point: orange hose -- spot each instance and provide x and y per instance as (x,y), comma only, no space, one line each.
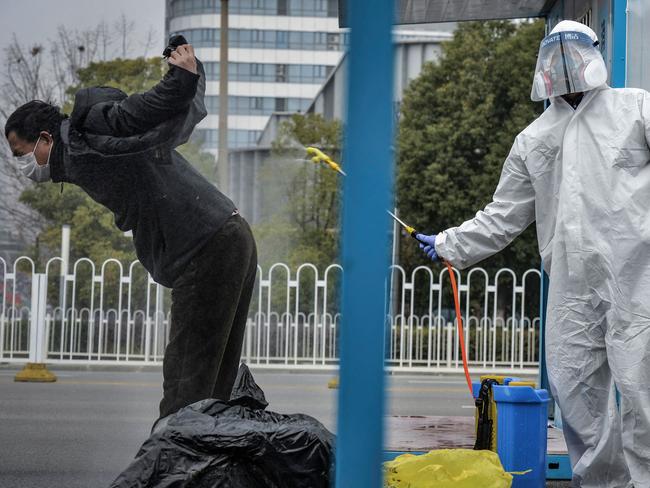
(459,319)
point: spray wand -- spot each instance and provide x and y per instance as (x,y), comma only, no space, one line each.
(318,156)
(452,276)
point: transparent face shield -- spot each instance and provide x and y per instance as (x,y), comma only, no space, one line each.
(568,62)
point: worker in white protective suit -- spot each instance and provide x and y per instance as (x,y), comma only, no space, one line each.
(580,170)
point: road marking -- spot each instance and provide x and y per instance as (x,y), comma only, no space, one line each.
(436,382)
(468,406)
(402,389)
(112,383)
(271,387)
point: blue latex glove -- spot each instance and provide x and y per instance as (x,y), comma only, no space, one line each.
(428,245)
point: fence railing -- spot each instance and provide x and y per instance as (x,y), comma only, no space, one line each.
(117,315)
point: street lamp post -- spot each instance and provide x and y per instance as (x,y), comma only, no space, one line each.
(222,162)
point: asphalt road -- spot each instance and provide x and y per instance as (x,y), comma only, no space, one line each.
(83,430)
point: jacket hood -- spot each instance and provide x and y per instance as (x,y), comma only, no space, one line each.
(87,97)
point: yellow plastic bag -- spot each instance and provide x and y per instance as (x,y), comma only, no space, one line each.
(447,468)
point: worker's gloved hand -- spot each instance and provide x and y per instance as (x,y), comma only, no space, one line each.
(428,245)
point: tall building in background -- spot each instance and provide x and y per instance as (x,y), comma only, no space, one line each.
(280,54)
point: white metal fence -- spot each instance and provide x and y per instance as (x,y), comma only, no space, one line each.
(117,315)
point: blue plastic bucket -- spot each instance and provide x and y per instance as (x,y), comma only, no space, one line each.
(522,432)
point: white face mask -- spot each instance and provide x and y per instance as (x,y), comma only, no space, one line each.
(30,168)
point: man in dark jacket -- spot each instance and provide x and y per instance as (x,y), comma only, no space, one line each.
(188,235)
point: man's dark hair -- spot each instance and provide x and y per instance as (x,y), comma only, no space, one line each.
(33,117)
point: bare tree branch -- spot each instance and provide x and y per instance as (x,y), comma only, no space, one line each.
(124,29)
(150,42)
(104,40)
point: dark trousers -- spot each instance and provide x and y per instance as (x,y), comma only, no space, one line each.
(208,319)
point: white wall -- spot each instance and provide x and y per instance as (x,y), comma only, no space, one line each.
(638,44)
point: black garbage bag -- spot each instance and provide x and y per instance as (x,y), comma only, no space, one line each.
(238,443)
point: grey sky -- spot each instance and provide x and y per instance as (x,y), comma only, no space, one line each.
(34,21)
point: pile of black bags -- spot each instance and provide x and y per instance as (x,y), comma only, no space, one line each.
(238,443)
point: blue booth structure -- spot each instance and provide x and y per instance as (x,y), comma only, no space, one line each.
(368,187)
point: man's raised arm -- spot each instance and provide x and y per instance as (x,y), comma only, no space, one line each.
(170,97)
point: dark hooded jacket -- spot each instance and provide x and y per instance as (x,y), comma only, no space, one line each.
(120,150)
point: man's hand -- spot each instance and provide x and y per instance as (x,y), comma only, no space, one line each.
(183,57)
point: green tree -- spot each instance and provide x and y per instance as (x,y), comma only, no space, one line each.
(129,75)
(93,232)
(459,119)
(304,225)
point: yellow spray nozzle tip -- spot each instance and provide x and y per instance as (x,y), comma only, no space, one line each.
(316,152)
(319,156)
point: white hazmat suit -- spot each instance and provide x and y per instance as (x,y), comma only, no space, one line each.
(582,174)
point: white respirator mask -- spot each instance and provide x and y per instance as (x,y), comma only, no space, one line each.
(29,166)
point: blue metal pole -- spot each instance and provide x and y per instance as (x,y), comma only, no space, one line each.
(619,43)
(365,245)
